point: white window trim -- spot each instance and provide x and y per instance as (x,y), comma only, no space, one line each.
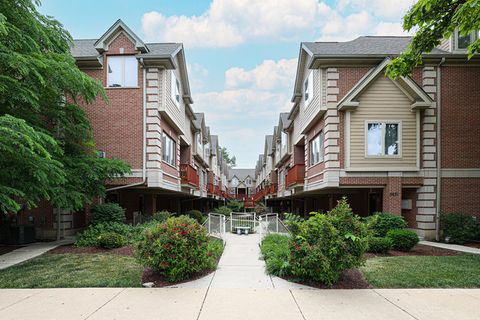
(456,33)
(173,155)
(174,87)
(321,150)
(309,81)
(122,57)
(400,139)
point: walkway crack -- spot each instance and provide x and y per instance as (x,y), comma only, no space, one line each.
(298,306)
(205,296)
(396,305)
(23,299)
(103,305)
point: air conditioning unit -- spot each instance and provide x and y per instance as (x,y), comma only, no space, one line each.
(102,154)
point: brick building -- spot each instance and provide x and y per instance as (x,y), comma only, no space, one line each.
(409,147)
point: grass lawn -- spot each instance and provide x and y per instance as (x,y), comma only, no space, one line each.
(423,272)
(73,271)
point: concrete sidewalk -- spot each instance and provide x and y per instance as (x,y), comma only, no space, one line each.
(30,251)
(230,303)
(449,246)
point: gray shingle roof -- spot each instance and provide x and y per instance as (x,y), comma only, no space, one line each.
(214,141)
(241,174)
(85,48)
(284,117)
(367,45)
(198,121)
(269,142)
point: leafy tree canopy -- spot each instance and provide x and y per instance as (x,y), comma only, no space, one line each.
(46,144)
(231,160)
(434,20)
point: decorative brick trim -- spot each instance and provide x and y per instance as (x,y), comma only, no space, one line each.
(154,130)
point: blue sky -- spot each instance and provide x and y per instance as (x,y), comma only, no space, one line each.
(241,54)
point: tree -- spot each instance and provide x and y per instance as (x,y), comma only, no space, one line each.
(231,161)
(42,96)
(435,20)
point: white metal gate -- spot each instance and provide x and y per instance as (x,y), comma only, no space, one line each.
(215,225)
(271,223)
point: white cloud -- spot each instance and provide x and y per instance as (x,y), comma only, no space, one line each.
(380,8)
(231,22)
(345,28)
(268,75)
(390,29)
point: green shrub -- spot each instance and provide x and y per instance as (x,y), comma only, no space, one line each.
(459,228)
(223,210)
(89,237)
(107,213)
(328,244)
(379,245)
(161,216)
(260,208)
(197,215)
(235,206)
(380,223)
(110,240)
(403,239)
(275,251)
(293,222)
(176,249)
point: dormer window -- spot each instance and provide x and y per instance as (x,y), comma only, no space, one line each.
(122,71)
(308,89)
(175,89)
(463,41)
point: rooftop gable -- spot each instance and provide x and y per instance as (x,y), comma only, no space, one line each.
(102,43)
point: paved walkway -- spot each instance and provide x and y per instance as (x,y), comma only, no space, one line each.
(454,247)
(239,289)
(28,252)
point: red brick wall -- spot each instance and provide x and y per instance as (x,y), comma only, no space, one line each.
(461,195)
(348,77)
(118,124)
(121,41)
(460,108)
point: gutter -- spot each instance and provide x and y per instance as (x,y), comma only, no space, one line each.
(439,152)
(144,153)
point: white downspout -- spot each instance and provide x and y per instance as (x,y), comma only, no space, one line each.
(144,155)
(439,154)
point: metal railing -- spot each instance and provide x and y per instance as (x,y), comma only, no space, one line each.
(271,223)
(215,225)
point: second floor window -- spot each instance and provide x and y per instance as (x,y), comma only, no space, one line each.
(308,89)
(284,140)
(175,90)
(383,139)
(463,41)
(168,152)
(122,71)
(316,149)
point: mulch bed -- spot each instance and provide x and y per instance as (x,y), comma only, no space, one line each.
(349,279)
(473,245)
(8,248)
(123,251)
(159,281)
(418,250)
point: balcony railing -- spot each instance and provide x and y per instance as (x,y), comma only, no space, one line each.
(189,175)
(295,176)
(210,188)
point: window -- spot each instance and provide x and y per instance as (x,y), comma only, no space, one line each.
(122,71)
(168,152)
(249,181)
(316,149)
(282,178)
(175,89)
(383,139)
(199,143)
(463,41)
(284,140)
(234,182)
(308,89)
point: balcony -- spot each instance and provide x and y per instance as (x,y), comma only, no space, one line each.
(295,176)
(210,188)
(189,175)
(273,188)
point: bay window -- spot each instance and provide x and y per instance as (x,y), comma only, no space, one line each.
(383,138)
(122,71)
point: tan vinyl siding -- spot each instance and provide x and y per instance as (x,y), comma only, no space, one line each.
(308,113)
(383,100)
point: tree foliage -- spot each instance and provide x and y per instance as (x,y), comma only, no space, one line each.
(42,95)
(231,160)
(434,20)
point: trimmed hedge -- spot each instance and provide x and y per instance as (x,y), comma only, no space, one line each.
(379,245)
(403,239)
(459,228)
(107,213)
(110,240)
(381,222)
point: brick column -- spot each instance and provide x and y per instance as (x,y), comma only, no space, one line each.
(426,195)
(392,196)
